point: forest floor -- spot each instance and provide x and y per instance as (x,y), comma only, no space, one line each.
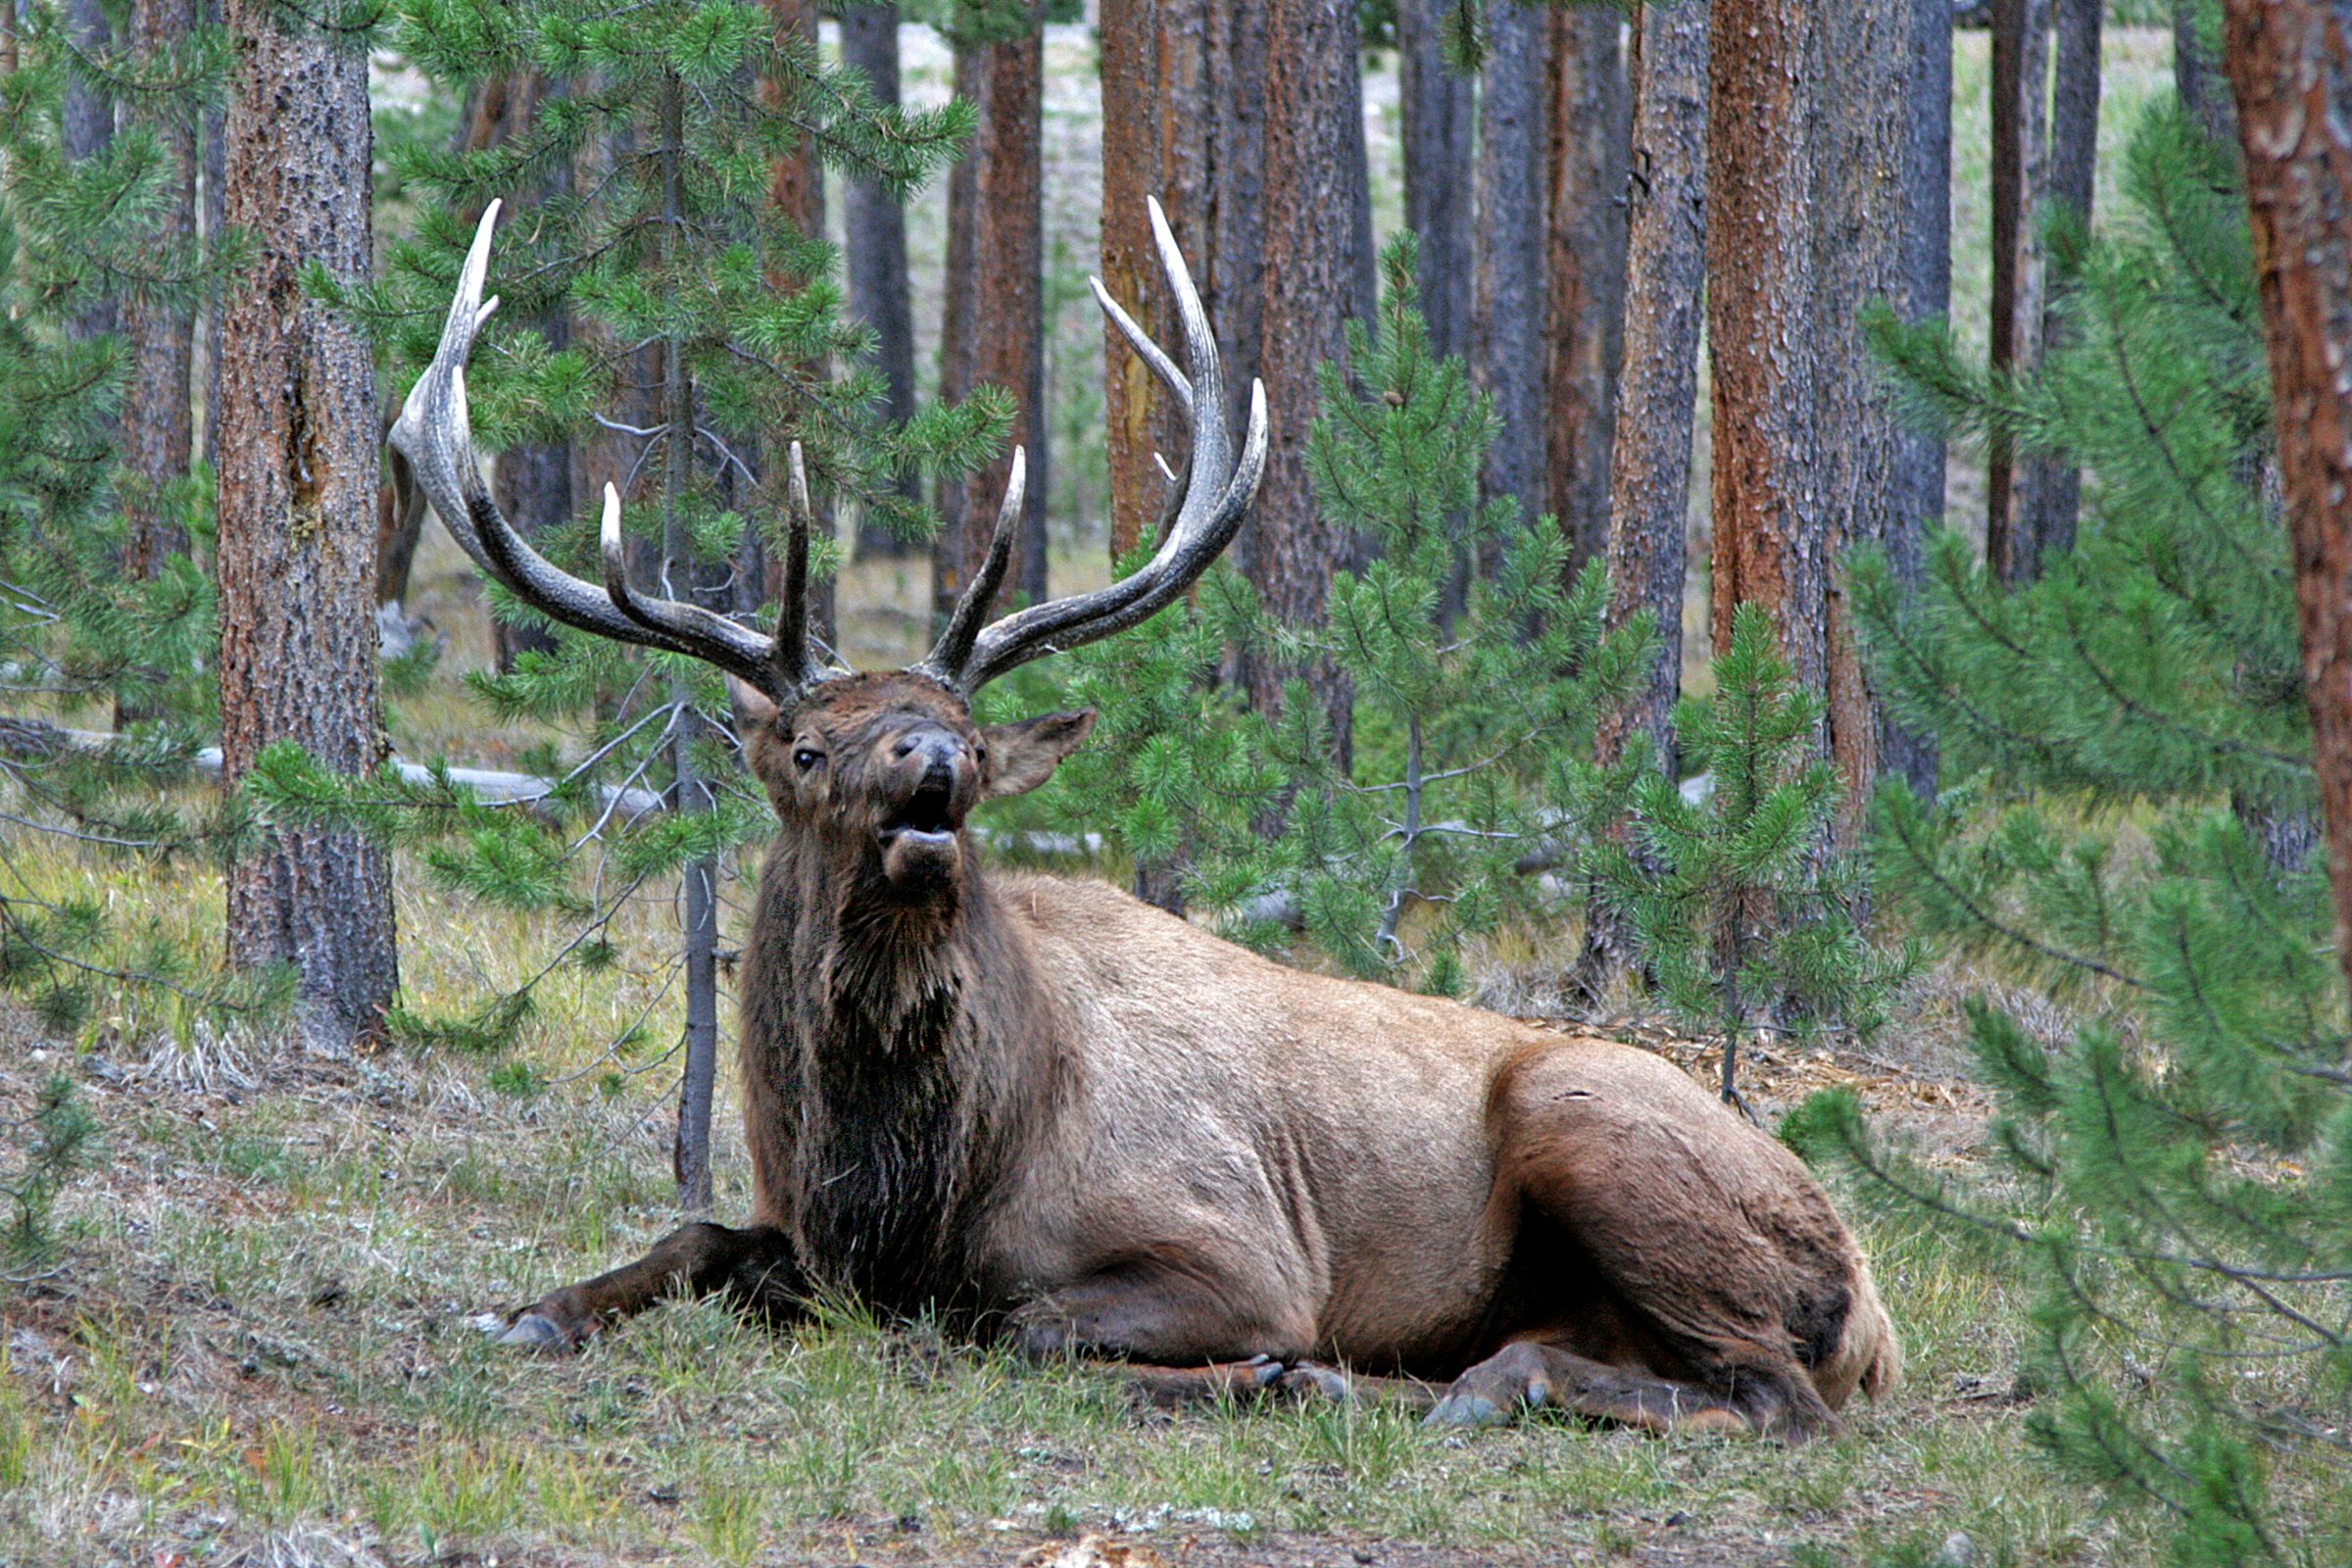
(260,1346)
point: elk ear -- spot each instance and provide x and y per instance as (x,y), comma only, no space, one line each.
(752,709)
(1023,755)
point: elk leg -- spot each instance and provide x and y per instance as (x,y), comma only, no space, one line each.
(1533,1377)
(1265,1377)
(754,1266)
(1189,1332)
(1683,1250)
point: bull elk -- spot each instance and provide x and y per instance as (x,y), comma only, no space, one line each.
(1062,1116)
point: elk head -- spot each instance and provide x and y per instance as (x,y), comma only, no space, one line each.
(884,766)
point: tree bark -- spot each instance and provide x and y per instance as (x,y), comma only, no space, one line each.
(1591,128)
(1657,397)
(994,332)
(1508,358)
(875,223)
(1157,114)
(2020,176)
(2053,494)
(2198,72)
(2290,65)
(86,124)
(212,208)
(1868,125)
(1317,276)
(1922,289)
(796,188)
(1767,508)
(1807,218)
(1440,109)
(158,410)
(296,554)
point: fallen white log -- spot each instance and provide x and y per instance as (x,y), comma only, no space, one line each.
(20,737)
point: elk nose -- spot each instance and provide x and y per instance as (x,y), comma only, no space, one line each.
(937,749)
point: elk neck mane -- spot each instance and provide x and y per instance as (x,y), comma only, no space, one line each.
(924,1053)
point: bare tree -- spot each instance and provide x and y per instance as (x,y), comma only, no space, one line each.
(875,256)
(1589,124)
(1507,342)
(1317,276)
(994,251)
(1657,393)
(2021,30)
(2290,65)
(296,557)
(1440,109)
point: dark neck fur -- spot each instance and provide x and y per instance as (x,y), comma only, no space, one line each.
(905,1101)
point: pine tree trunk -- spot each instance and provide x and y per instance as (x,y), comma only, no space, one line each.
(296,553)
(1862,252)
(2020,178)
(1317,277)
(690,1153)
(2291,63)
(1591,130)
(1159,138)
(2198,75)
(993,333)
(796,187)
(2056,491)
(875,224)
(1657,394)
(1440,110)
(1507,357)
(86,127)
(1923,289)
(158,410)
(212,208)
(1804,229)
(1767,507)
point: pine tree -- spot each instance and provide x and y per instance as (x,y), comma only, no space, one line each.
(2178,1173)
(1472,735)
(1736,910)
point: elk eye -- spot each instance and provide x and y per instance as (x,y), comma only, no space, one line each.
(805,759)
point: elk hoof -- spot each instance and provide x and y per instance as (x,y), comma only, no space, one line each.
(1307,1380)
(1466,1410)
(537,1332)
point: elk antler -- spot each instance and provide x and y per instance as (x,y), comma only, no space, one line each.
(1214,500)
(435,438)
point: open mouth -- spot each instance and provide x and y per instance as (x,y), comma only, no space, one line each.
(929,812)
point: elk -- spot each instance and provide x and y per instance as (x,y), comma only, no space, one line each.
(1060,1115)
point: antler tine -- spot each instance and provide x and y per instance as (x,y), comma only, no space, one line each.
(1217,497)
(794,658)
(435,436)
(955,648)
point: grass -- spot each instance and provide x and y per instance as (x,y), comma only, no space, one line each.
(260,1350)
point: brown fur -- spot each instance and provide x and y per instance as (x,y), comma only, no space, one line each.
(1074,1120)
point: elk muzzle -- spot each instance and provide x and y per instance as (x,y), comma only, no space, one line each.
(931,780)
